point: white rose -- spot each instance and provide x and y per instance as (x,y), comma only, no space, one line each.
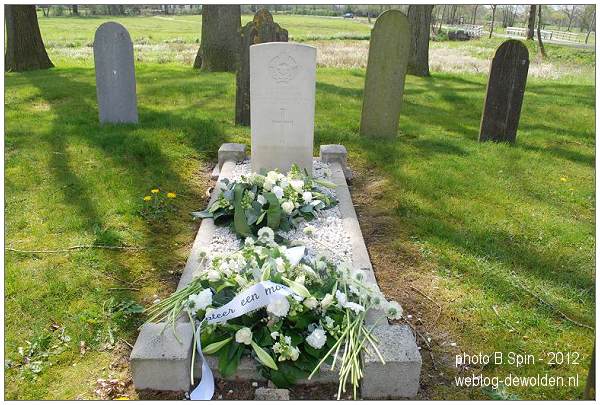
(311,302)
(280,263)
(278,191)
(307,196)
(273,176)
(279,306)
(261,199)
(294,353)
(266,234)
(287,207)
(201,300)
(326,301)
(268,185)
(213,276)
(244,336)
(317,338)
(298,185)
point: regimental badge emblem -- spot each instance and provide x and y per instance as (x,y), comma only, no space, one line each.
(283,68)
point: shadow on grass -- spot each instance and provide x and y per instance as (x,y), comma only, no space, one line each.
(133,152)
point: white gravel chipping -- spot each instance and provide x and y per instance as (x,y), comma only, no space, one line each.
(328,238)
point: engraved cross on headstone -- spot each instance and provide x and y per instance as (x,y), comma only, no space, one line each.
(282,121)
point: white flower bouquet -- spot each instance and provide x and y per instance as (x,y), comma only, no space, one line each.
(321,320)
(274,200)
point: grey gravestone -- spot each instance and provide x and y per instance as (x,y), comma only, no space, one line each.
(389,51)
(115,74)
(261,29)
(505,91)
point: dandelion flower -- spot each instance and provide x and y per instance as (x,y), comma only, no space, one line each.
(171,195)
(154,191)
(147,198)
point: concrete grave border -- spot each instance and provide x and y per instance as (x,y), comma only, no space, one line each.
(160,362)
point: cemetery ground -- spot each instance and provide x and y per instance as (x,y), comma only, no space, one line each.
(488,247)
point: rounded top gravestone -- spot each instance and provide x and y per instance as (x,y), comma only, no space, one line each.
(282,97)
(115,74)
(389,51)
(505,92)
(261,29)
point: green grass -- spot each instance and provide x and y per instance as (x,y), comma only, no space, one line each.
(187,28)
(488,219)
(484,48)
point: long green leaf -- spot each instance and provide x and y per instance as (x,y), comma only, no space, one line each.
(263,356)
(215,347)
(297,287)
(274,211)
(239,217)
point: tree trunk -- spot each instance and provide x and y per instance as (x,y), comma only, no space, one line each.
(589,392)
(45,11)
(474,14)
(493,18)
(531,22)
(442,19)
(592,25)
(539,32)
(220,42)
(420,20)
(75,9)
(24,46)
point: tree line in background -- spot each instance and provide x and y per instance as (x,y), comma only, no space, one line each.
(25,49)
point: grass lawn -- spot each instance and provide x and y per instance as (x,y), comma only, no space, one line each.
(187,28)
(472,226)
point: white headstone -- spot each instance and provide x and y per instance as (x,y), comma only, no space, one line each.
(282,105)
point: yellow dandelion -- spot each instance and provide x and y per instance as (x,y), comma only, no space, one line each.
(563,179)
(154,190)
(171,195)
(147,198)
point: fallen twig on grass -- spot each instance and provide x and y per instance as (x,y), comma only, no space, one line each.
(552,307)
(124,288)
(126,342)
(430,299)
(76,247)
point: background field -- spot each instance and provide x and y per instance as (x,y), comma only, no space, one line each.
(500,237)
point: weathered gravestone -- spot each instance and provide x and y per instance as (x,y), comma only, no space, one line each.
(282,97)
(260,30)
(115,74)
(389,51)
(505,90)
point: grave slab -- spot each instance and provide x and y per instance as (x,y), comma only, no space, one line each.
(397,343)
